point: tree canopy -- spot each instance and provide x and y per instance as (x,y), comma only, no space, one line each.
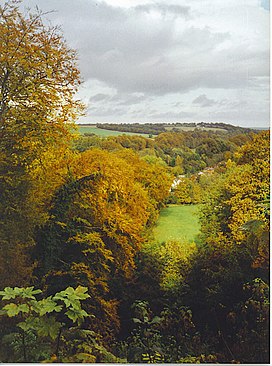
(38,80)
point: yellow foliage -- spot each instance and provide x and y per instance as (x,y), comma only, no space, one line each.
(38,80)
(240,196)
(173,255)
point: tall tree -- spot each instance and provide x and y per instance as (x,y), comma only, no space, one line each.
(38,79)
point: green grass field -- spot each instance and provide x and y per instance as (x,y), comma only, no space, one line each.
(177,222)
(105,133)
(184,128)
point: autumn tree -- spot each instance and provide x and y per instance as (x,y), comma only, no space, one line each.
(239,195)
(38,79)
(96,225)
(188,191)
(153,175)
(227,285)
(93,231)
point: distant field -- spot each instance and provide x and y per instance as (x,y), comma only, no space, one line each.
(105,133)
(184,128)
(177,222)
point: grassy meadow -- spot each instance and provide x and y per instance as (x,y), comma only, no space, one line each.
(105,133)
(178,223)
(189,128)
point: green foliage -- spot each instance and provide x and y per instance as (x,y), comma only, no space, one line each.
(90,130)
(237,196)
(249,322)
(186,151)
(13,309)
(226,319)
(33,319)
(168,337)
(156,128)
(229,305)
(19,347)
(155,358)
(82,345)
(188,191)
(173,257)
(25,293)
(145,340)
(199,359)
(71,298)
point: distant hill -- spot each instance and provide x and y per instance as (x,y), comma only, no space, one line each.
(157,128)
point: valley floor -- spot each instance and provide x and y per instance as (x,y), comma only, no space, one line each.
(178,223)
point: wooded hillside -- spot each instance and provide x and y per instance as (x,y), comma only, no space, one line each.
(81,278)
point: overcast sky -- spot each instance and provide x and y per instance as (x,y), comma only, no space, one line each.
(169,60)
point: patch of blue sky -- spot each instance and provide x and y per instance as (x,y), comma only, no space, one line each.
(265,4)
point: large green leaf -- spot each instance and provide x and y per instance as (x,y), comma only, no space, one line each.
(29,292)
(71,297)
(25,293)
(14,309)
(80,292)
(48,327)
(69,302)
(29,324)
(46,306)
(10,293)
(76,315)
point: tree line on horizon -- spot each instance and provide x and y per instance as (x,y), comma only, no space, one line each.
(157,128)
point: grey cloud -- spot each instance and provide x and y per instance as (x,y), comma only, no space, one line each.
(203,101)
(159,48)
(118,99)
(202,38)
(99,97)
(158,72)
(134,52)
(105,111)
(129,100)
(169,116)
